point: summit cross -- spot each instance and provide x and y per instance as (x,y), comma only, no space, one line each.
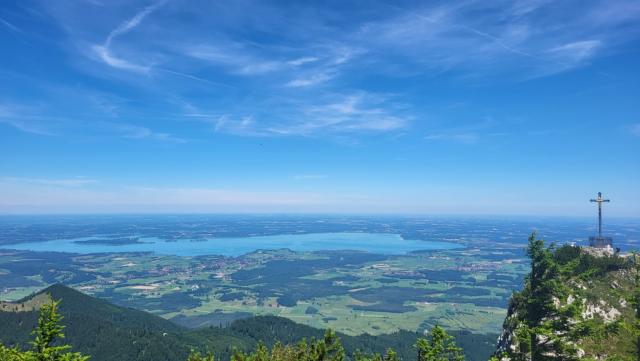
(600,200)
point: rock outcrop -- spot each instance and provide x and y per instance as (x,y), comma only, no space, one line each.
(576,304)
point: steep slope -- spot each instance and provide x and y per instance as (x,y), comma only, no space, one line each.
(108,332)
(577,303)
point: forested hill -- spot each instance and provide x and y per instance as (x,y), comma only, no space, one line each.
(577,303)
(108,332)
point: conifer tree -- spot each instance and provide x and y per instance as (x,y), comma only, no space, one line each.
(438,346)
(197,356)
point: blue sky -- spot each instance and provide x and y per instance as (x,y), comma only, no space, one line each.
(470,107)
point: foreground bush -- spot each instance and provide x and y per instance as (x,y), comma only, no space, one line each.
(437,346)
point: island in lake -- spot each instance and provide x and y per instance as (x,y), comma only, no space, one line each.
(111,241)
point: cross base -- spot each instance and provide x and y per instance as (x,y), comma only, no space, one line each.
(600,242)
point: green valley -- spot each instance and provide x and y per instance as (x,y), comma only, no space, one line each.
(350,292)
(577,303)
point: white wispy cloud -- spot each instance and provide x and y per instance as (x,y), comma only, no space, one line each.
(243,125)
(30,119)
(611,14)
(243,60)
(324,69)
(523,39)
(351,114)
(133,22)
(194,77)
(259,67)
(360,112)
(303,60)
(442,20)
(25,126)
(311,76)
(237,57)
(104,51)
(577,50)
(139,132)
(311,80)
(57,182)
(575,53)
(634,129)
(23,119)
(10,26)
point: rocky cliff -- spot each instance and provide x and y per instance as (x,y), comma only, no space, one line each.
(577,303)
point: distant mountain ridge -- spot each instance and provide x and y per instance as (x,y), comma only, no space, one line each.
(108,332)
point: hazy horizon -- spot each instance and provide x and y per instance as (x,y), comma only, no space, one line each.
(448,216)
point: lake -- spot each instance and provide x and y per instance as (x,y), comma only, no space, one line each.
(382,243)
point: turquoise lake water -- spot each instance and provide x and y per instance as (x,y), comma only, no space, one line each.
(382,243)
